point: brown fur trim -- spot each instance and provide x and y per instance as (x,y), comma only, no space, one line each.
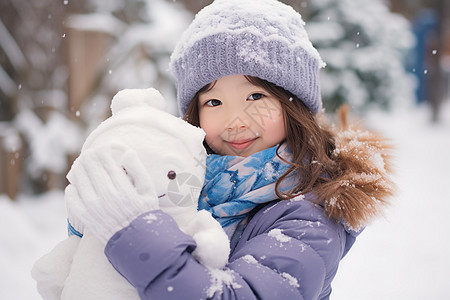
(362,186)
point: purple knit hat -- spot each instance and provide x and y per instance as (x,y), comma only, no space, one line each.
(260,38)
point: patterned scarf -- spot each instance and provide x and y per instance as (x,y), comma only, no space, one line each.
(235,185)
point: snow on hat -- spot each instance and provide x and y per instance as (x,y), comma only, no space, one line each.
(260,38)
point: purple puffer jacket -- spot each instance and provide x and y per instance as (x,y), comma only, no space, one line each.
(288,250)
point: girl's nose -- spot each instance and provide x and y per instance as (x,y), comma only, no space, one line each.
(231,127)
(238,122)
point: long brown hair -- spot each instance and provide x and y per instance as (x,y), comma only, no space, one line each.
(310,144)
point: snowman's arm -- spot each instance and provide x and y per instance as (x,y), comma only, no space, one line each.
(213,246)
(51,270)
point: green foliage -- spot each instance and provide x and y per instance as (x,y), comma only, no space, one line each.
(364,45)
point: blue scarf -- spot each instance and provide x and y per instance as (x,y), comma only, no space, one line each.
(235,185)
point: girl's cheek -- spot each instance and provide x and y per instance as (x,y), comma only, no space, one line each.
(264,112)
(211,123)
(213,144)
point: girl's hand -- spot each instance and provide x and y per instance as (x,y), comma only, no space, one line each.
(106,193)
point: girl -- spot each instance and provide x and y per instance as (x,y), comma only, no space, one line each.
(291,192)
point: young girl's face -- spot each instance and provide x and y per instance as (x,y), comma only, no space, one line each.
(240,118)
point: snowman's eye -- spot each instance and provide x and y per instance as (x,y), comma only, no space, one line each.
(171,175)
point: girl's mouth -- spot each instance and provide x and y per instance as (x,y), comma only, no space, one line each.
(242,144)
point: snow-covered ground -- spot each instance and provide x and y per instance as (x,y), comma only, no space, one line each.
(404,255)
(29,228)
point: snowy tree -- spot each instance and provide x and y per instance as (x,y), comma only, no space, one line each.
(363,45)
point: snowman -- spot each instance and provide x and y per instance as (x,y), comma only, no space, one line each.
(139,135)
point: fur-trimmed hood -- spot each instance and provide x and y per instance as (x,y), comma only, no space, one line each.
(363,186)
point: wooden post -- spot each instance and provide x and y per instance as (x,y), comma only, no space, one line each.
(86,55)
(11,154)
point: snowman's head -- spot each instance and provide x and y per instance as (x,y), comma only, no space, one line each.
(170,149)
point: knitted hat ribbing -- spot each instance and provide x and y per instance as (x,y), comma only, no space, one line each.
(260,38)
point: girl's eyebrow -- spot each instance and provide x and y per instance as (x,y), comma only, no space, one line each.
(207,95)
(246,84)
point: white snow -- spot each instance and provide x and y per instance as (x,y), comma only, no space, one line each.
(51,142)
(279,236)
(10,137)
(291,279)
(219,278)
(29,228)
(96,22)
(150,218)
(297,198)
(401,256)
(249,259)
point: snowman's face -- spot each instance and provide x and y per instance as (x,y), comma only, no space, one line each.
(177,169)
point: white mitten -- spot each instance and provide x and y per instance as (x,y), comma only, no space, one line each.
(107,193)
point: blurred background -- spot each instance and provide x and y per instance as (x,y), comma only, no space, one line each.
(62,61)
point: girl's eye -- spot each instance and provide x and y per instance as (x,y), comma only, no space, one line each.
(213,102)
(256,96)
